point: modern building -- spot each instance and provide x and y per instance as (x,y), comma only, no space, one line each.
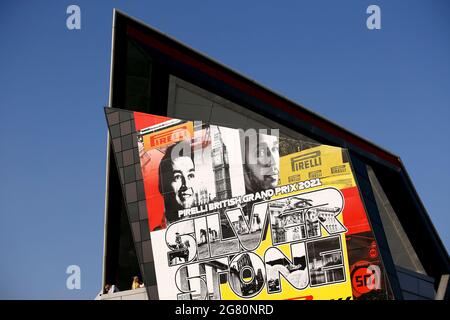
(153,73)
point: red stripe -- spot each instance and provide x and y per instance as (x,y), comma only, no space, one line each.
(355,217)
(144,120)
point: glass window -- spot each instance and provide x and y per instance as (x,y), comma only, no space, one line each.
(138,78)
(402,251)
(187,101)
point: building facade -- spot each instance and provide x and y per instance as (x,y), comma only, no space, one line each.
(153,73)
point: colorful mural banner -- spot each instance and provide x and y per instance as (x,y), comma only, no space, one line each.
(239,214)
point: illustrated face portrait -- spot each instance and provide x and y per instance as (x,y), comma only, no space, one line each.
(180,182)
(177,180)
(262,161)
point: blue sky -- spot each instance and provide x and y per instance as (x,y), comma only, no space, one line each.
(391,86)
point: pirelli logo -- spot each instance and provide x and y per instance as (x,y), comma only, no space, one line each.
(315,174)
(294,178)
(306,161)
(338,169)
(168,136)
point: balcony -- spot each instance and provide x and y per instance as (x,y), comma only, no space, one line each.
(136,294)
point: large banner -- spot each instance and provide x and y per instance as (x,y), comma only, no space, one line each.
(239,214)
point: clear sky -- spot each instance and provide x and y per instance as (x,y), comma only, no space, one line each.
(391,86)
